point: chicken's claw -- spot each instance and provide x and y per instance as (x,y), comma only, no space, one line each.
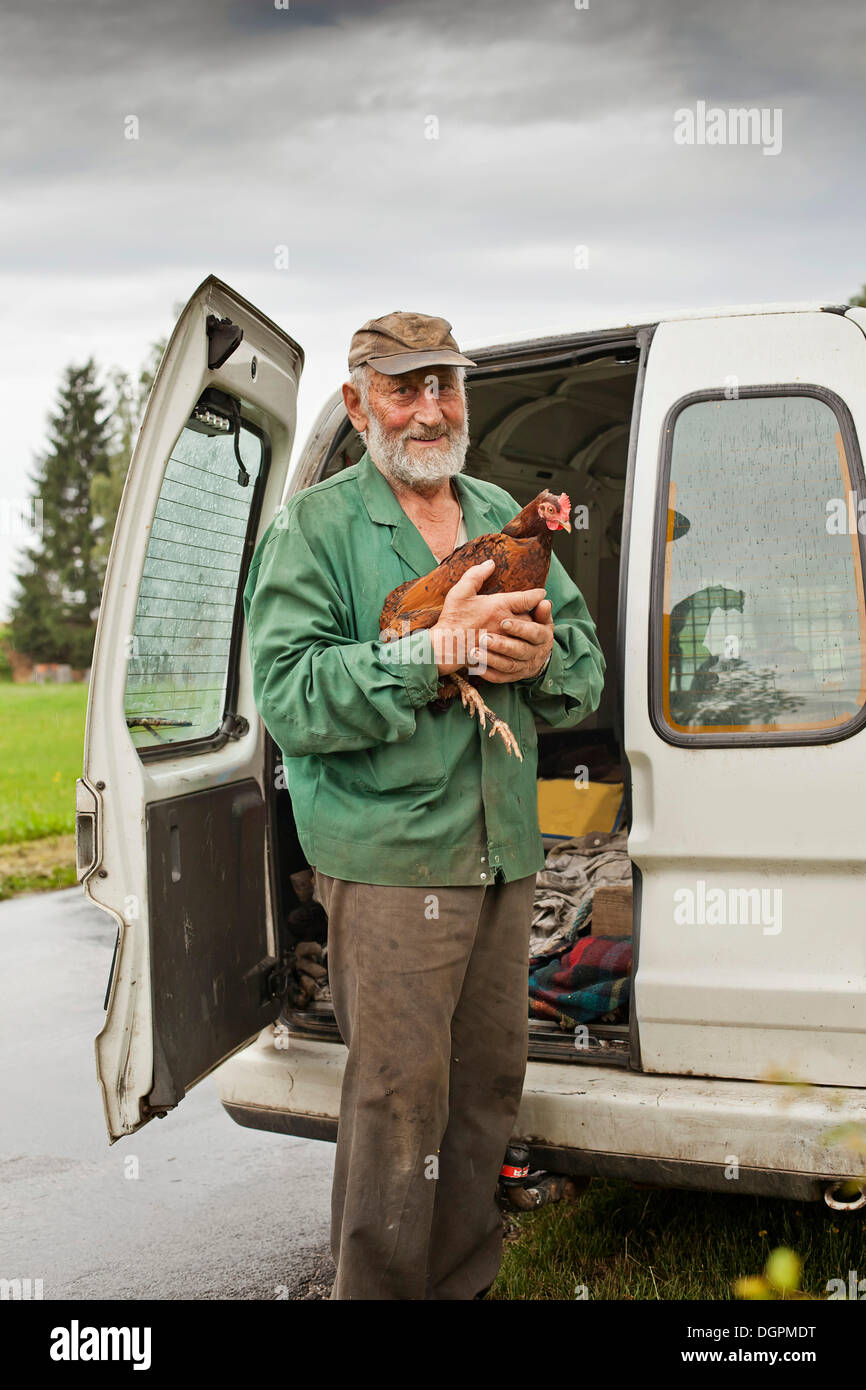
(500,727)
(472,701)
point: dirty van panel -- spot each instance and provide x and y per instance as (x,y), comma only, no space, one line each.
(211,965)
(745,699)
(177,794)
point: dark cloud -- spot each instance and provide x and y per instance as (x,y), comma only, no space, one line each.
(308,125)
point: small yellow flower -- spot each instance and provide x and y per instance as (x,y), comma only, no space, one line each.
(754,1287)
(784,1269)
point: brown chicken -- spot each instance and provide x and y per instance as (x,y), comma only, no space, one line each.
(521,551)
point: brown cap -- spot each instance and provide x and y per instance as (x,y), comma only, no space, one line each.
(400,342)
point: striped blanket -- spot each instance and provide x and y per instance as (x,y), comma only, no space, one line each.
(581,980)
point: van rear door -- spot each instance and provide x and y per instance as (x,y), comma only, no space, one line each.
(174,802)
(745,698)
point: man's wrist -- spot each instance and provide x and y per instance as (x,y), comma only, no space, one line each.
(531,680)
(541,670)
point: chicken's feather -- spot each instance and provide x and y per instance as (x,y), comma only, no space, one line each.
(521,553)
(520,564)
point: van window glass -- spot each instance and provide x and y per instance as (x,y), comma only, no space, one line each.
(763,617)
(179,648)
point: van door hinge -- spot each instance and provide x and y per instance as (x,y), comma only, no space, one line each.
(224,338)
(277,979)
(234,726)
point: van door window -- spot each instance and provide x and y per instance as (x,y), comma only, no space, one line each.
(180,646)
(760,624)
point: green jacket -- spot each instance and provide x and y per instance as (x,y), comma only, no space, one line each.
(385,789)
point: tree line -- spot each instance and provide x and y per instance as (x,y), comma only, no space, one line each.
(77,483)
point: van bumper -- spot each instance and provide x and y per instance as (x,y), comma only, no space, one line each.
(753,1137)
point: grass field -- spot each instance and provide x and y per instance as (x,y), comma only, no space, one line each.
(621,1242)
(41,742)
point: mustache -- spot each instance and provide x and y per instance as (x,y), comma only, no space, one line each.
(429,432)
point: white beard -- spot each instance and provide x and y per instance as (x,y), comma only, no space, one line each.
(391,455)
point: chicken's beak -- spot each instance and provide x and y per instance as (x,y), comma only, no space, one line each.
(565,525)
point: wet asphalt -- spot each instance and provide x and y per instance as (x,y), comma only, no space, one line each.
(215,1211)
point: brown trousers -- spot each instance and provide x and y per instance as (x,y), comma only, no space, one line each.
(429,987)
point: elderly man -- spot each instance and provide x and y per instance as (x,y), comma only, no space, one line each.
(423,832)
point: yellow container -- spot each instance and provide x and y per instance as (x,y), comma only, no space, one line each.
(569,808)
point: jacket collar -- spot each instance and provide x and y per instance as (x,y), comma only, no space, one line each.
(385,510)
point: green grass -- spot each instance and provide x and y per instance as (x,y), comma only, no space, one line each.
(624,1243)
(41,746)
(13,885)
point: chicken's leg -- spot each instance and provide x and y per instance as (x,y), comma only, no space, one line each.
(472,701)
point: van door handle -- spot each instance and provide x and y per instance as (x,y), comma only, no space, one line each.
(86,830)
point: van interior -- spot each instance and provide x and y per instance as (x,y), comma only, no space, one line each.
(560,423)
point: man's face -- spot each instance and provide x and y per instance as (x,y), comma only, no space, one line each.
(415,424)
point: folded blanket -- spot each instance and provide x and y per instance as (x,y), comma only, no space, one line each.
(573,869)
(581,981)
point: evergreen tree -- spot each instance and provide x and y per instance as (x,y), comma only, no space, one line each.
(54,612)
(106,488)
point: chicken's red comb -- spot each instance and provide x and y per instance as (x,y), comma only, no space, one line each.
(565,503)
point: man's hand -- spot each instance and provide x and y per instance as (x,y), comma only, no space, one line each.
(524,651)
(509,644)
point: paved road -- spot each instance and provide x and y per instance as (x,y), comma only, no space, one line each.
(216,1211)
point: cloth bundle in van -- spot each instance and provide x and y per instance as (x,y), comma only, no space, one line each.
(581,982)
(573,870)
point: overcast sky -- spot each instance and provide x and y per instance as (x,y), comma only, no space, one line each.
(307,127)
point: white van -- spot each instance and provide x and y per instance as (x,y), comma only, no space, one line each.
(717,455)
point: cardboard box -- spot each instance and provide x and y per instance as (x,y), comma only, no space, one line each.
(612,911)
